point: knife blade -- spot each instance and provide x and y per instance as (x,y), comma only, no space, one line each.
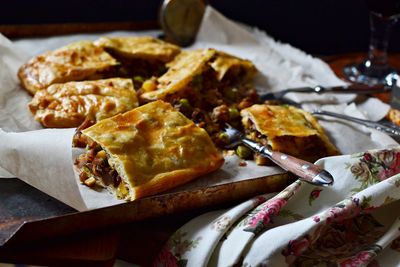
(346,89)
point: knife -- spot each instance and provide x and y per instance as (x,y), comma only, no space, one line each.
(346,89)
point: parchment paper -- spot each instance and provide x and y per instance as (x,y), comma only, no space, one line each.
(43,158)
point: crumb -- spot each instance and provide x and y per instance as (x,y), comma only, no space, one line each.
(394,116)
(242,163)
(228,153)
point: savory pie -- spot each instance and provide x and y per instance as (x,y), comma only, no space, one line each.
(141,57)
(145,151)
(208,86)
(139,47)
(287,129)
(75,62)
(186,71)
(64,105)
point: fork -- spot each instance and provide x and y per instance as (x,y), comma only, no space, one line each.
(348,89)
(305,170)
(388,128)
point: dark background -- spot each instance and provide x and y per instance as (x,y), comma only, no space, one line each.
(318,27)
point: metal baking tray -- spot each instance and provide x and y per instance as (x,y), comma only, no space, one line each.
(27,214)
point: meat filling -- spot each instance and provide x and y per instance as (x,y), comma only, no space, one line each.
(211,103)
(95,169)
(252,133)
(79,140)
(309,148)
(138,69)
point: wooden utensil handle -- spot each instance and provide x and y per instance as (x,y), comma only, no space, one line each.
(299,167)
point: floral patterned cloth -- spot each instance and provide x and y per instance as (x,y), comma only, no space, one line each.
(356,222)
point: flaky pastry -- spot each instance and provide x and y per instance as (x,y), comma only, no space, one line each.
(146,151)
(64,105)
(143,47)
(287,129)
(75,62)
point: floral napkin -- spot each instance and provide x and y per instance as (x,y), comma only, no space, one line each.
(356,222)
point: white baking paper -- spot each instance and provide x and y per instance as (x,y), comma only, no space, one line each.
(43,158)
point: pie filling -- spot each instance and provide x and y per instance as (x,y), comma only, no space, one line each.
(309,148)
(95,170)
(252,133)
(139,69)
(210,103)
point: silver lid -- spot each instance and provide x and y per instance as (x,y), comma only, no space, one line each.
(180,20)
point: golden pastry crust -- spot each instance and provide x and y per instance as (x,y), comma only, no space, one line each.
(207,86)
(67,105)
(74,62)
(191,64)
(288,129)
(139,47)
(394,116)
(154,148)
(182,69)
(230,66)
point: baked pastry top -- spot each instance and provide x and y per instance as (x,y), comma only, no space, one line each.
(77,61)
(152,148)
(287,129)
(188,66)
(208,86)
(394,116)
(231,67)
(68,104)
(143,47)
(181,72)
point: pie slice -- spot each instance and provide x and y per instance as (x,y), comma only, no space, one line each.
(232,68)
(287,129)
(208,86)
(208,69)
(139,47)
(146,151)
(75,62)
(141,57)
(65,105)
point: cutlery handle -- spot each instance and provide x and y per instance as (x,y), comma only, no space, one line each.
(303,169)
(307,171)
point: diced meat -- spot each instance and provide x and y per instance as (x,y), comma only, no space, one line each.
(220,114)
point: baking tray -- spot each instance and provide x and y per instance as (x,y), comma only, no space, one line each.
(27,214)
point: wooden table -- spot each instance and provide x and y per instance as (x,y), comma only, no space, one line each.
(138,242)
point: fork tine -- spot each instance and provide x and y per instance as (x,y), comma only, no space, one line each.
(234,135)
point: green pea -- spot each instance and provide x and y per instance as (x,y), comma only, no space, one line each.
(231,93)
(233,113)
(184,103)
(243,152)
(138,79)
(185,107)
(224,137)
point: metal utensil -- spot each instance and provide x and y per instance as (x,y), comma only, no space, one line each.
(347,89)
(305,170)
(388,127)
(180,19)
